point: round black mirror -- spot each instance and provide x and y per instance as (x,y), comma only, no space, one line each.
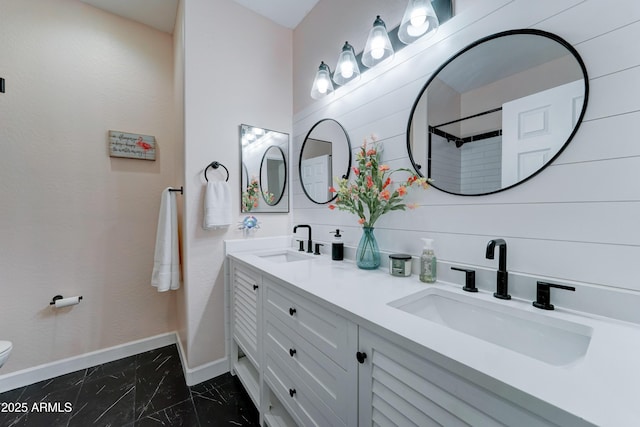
(498,112)
(273,175)
(325,154)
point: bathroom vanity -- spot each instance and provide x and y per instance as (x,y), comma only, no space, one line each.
(320,342)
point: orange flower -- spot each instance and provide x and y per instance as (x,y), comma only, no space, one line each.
(372,191)
(412,205)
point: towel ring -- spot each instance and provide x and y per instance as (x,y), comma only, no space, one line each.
(215,165)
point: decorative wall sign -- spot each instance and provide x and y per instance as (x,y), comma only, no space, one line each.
(132,146)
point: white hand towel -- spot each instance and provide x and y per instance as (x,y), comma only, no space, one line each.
(217,205)
(166,262)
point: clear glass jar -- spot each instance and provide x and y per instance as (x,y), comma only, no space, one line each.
(400,265)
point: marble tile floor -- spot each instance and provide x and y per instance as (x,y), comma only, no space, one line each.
(138,391)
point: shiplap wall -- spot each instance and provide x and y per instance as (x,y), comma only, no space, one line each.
(575,221)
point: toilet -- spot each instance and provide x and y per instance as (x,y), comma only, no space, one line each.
(5,349)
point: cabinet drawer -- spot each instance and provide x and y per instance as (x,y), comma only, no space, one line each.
(329,382)
(296,396)
(326,330)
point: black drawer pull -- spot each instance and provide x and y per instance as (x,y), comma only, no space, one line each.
(255,287)
(361,356)
(292,311)
(292,391)
(292,351)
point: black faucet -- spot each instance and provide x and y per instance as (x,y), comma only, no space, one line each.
(502,279)
(309,242)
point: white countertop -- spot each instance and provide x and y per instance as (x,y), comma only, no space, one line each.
(602,388)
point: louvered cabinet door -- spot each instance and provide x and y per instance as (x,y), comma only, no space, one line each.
(245,284)
(399,388)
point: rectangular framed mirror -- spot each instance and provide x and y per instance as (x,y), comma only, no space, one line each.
(264,156)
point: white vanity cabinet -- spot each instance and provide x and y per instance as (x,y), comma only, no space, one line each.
(306,363)
(399,388)
(246,321)
(311,362)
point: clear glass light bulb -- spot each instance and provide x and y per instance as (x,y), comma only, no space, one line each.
(418,16)
(346,69)
(416,31)
(323,85)
(377,47)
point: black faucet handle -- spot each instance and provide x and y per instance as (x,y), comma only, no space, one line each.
(317,251)
(469,279)
(543,294)
(300,245)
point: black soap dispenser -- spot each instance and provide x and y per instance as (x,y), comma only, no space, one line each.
(337,247)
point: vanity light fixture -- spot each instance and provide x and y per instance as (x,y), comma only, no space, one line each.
(378,46)
(322,85)
(347,68)
(421,18)
(418,20)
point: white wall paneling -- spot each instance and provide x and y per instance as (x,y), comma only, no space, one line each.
(577,219)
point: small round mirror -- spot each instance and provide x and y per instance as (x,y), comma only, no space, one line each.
(273,175)
(498,112)
(325,155)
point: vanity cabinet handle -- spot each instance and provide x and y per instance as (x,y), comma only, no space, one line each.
(255,287)
(292,351)
(292,311)
(361,356)
(292,391)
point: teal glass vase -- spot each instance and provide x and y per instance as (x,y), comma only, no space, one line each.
(368,254)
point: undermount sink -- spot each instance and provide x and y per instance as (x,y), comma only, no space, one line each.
(285,255)
(550,340)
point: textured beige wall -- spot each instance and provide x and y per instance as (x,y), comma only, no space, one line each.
(237,70)
(74,221)
(178,78)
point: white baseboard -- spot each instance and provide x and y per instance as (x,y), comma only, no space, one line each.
(204,372)
(65,366)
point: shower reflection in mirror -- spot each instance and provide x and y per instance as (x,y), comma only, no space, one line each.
(498,112)
(264,162)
